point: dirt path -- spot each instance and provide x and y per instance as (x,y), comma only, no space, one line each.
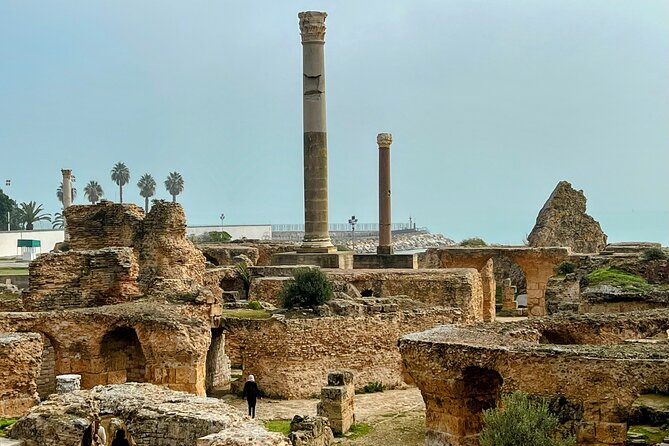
(397,417)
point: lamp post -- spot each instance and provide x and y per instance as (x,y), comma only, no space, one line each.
(352,221)
(7,184)
(222,217)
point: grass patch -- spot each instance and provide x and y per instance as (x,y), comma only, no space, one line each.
(358,430)
(651,434)
(244,313)
(618,278)
(281,426)
(5,423)
(13,271)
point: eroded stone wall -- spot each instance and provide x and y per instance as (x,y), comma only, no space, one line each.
(291,358)
(78,279)
(597,364)
(20,364)
(103,225)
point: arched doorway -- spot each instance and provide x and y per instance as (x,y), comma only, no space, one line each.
(46,383)
(218,364)
(123,356)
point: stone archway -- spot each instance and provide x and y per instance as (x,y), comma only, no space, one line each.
(46,383)
(122,356)
(217,364)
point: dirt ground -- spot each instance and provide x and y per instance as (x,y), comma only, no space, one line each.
(397,417)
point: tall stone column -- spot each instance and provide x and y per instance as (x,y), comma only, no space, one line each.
(385,219)
(316,230)
(67,196)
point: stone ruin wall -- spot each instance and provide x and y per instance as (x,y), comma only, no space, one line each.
(581,362)
(92,343)
(20,365)
(116,255)
(291,358)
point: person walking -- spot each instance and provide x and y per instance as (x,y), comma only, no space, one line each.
(120,439)
(251,393)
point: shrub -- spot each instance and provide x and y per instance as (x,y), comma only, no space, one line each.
(309,288)
(255,305)
(212,237)
(618,278)
(654,254)
(565,268)
(521,421)
(373,387)
(473,242)
(245,275)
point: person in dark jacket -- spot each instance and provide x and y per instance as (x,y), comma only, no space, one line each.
(251,393)
(119,439)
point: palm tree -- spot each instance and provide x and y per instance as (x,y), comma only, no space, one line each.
(93,192)
(58,221)
(174,185)
(147,189)
(120,175)
(59,192)
(31,213)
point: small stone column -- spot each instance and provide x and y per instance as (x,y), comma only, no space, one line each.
(385,219)
(508,296)
(67,196)
(316,230)
(337,401)
(67,383)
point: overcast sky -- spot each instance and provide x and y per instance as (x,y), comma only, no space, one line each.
(490,104)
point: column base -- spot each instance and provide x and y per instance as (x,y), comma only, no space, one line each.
(337,259)
(385,250)
(320,246)
(382,261)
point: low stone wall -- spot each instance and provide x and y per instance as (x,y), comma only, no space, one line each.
(139,341)
(458,288)
(222,254)
(291,358)
(154,416)
(20,361)
(595,365)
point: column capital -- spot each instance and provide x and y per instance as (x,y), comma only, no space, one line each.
(67,173)
(384,139)
(312,26)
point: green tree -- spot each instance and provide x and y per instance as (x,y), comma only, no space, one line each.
(147,189)
(93,192)
(174,185)
(30,213)
(309,287)
(59,193)
(58,221)
(7,205)
(473,242)
(521,421)
(120,175)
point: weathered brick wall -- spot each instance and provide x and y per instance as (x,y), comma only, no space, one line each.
(103,225)
(77,279)
(117,255)
(46,382)
(20,361)
(292,358)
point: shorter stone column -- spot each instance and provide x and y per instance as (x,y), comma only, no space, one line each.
(67,383)
(67,197)
(508,296)
(337,401)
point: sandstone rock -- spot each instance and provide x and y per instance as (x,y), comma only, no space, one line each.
(563,222)
(310,431)
(153,415)
(20,363)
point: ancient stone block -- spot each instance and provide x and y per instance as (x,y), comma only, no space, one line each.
(337,401)
(103,225)
(310,431)
(68,383)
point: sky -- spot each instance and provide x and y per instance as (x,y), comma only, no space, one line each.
(490,105)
